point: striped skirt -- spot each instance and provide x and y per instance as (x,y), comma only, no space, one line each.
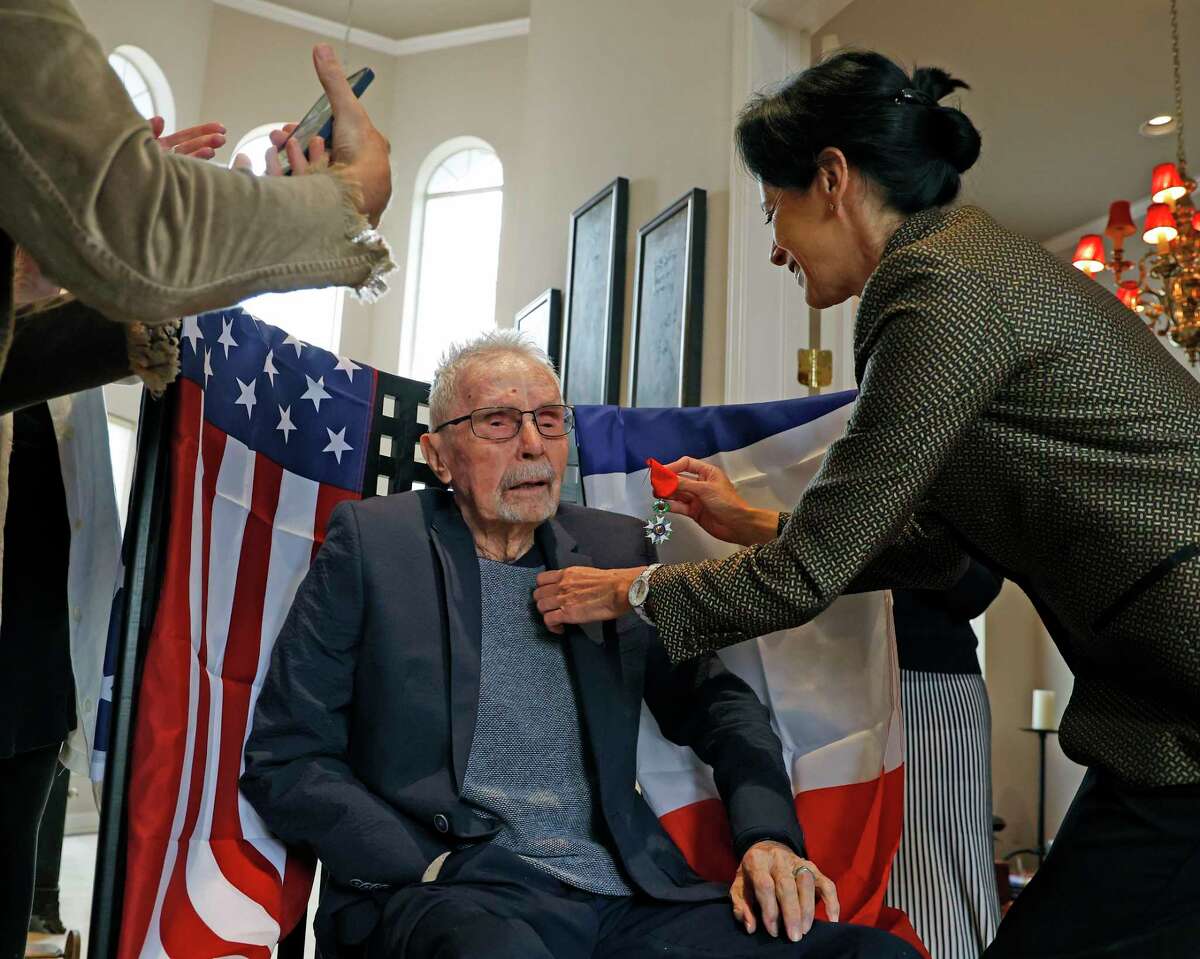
(943,876)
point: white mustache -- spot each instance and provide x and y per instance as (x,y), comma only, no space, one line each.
(527,473)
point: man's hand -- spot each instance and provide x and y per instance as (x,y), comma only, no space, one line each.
(783,885)
(581,594)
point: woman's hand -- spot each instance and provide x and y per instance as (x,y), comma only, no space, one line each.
(201,142)
(358,147)
(710,498)
(783,886)
(581,594)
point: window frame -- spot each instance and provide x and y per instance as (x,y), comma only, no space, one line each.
(416,232)
(156,82)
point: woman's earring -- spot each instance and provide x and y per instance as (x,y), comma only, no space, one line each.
(832,207)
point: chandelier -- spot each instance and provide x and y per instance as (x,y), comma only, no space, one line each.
(1166,293)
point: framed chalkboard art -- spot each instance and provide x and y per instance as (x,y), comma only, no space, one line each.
(668,306)
(541,321)
(595,308)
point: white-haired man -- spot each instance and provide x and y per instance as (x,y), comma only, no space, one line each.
(467,778)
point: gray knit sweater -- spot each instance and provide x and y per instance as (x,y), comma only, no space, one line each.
(527,768)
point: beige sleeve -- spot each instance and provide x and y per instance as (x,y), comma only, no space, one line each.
(137,233)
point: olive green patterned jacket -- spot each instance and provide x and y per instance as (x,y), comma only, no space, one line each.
(1010,409)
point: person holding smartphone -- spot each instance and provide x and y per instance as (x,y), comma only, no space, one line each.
(143,235)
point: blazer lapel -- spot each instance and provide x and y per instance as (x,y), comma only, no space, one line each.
(596,667)
(464,620)
(561,550)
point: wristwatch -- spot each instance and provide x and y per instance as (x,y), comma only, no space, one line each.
(639,590)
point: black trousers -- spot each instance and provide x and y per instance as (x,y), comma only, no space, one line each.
(1122,879)
(492,905)
(25,781)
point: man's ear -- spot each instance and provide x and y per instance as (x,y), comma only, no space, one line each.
(430,446)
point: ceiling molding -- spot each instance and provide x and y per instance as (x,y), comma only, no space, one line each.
(460,38)
(808,15)
(1065,242)
(374,41)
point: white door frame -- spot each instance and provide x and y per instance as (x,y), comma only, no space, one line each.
(767,320)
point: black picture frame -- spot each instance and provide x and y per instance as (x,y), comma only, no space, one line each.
(667,340)
(541,320)
(595,297)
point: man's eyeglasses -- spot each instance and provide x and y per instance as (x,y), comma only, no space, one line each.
(505,422)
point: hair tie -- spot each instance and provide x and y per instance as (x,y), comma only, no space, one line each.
(918,97)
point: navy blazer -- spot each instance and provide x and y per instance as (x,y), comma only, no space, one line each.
(363,729)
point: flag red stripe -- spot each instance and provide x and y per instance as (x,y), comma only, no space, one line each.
(158,747)
(240,862)
(182,932)
(328,497)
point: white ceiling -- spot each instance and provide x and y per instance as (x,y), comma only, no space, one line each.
(1059,88)
(401,19)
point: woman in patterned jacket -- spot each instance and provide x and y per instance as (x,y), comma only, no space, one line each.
(1010,409)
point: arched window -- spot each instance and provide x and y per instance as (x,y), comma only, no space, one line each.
(145,83)
(454,248)
(314,316)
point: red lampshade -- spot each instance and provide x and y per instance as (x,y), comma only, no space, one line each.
(1160,224)
(1128,293)
(1120,222)
(1089,254)
(1196,222)
(1166,183)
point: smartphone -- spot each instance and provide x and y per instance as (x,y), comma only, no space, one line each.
(319,120)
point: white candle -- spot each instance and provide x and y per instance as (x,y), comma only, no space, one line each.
(1043,709)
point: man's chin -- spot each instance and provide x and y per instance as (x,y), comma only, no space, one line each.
(523,508)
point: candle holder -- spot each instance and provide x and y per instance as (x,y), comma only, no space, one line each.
(1040,850)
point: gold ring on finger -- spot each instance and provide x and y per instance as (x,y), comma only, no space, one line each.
(799,869)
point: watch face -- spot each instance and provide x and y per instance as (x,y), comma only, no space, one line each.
(638,591)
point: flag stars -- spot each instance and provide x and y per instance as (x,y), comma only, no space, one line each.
(337,443)
(292,341)
(247,398)
(286,426)
(315,392)
(207,366)
(347,366)
(191,331)
(269,367)
(226,338)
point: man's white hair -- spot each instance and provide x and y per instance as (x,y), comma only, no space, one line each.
(447,378)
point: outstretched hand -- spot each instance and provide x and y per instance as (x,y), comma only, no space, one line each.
(358,147)
(201,141)
(709,497)
(783,886)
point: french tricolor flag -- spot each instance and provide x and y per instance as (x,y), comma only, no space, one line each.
(832,685)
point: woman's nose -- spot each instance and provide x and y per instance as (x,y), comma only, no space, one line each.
(778,255)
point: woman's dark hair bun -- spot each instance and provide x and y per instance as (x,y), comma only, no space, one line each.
(954,135)
(890,126)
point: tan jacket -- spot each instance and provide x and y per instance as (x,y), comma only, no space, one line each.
(1013,410)
(133,232)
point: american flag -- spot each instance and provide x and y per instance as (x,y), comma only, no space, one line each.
(269,435)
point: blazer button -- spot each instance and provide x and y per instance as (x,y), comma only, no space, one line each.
(441,823)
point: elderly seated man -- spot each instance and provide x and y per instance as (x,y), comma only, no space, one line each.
(467,778)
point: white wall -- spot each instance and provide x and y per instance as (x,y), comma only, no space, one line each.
(625,88)
(465,91)
(174,32)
